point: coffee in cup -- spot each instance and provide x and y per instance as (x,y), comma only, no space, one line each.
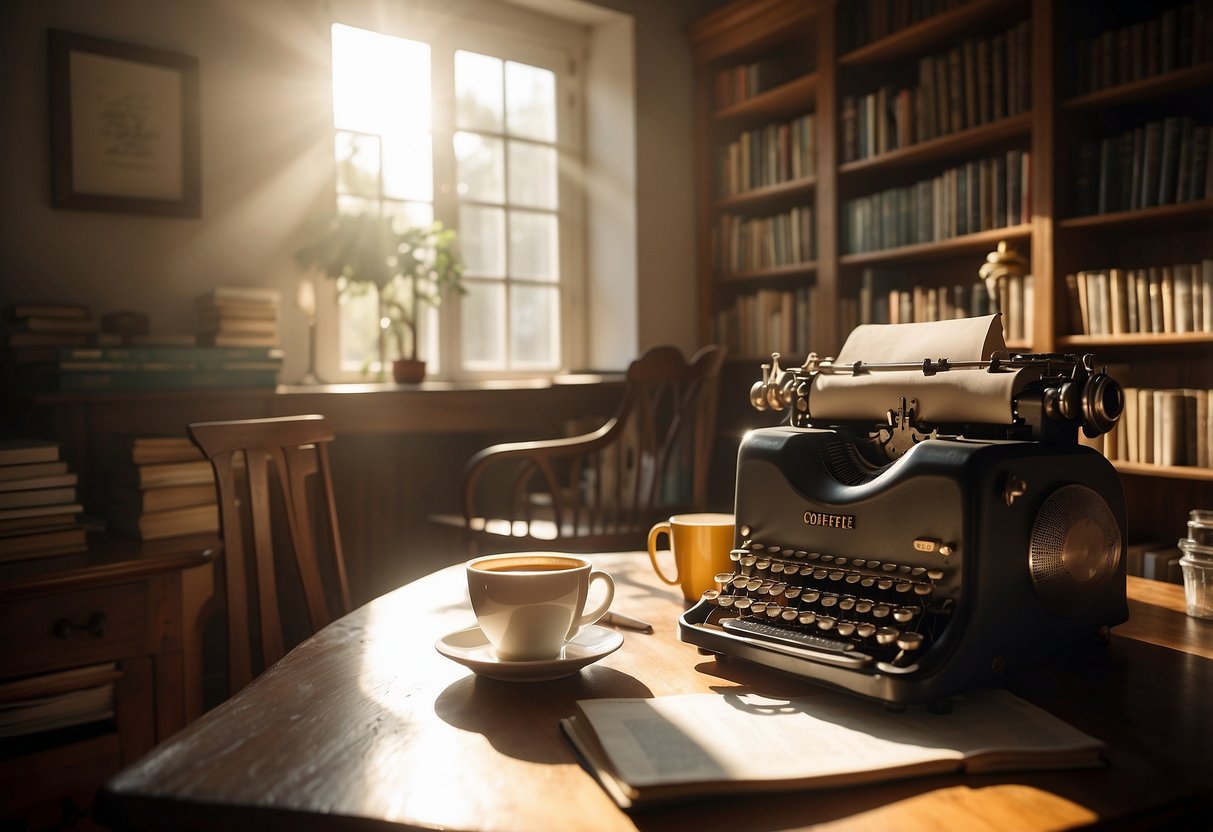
(529,604)
(700,544)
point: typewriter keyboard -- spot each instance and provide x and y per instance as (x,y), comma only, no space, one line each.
(889,611)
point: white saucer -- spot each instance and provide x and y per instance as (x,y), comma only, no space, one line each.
(471,649)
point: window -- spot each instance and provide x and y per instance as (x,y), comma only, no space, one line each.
(494,157)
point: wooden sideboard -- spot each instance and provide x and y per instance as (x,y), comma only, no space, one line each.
(137,605)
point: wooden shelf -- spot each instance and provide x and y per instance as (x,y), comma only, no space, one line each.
(981,241)
(1176,472)
(942,147)
(1146,218)
(1180,80)
(1135,339)
(789,99)
(770,193)
(919,38)
(791,270)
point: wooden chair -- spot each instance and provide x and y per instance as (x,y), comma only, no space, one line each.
(603,490)
(262,469)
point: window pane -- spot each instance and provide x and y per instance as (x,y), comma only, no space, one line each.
(533,246)
(530,99)
(409,214)
(532,175)
(362,60)
(482,240)
(357,157)
(478,92)
(359,328)
(354,205)
(534,327)
(484,326)
(407,170)
(481,167)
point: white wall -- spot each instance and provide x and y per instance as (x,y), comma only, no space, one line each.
(266,162)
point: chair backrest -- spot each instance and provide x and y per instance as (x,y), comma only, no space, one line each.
(605,488)
(262,471)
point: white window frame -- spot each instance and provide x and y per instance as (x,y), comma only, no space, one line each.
(560,47)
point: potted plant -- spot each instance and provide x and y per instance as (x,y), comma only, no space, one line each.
(409,268)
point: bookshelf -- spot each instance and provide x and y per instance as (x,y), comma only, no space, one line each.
(1159,66)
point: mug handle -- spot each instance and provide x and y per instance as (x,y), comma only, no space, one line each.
(657,531)
(586,619)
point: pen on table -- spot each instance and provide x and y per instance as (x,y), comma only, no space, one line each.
(621,620)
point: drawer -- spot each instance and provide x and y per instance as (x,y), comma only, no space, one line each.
(73,628)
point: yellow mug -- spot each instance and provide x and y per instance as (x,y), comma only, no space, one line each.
(701,544)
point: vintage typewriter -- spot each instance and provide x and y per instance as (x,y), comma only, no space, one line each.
(921,524)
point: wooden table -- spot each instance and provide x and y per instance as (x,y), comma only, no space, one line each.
(365,726)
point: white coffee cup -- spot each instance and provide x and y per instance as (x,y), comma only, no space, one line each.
(529,604)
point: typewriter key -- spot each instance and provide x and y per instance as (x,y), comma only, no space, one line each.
(806,571)
(865,630)
(837,575)
(758,607)
(742,604)
(872,564)
(762,565)
(753,584)
(791,593)
(740,582)
(710,595)
(774,611)
(887,635)
(789,615)
(868,581)
(904,569)
(810,595)
(801,553)
(820,574)
(814,556)
(807,617)
(935,574)
(723,580)
(910,641)
(918,571)
(889,567)
(903,586)
(903,615)
(853,577)
(829,600)
(824,622)
(881,611)
(922,589)
(884,583)
(846,628)
(846,604)
(776,567)
(863,607)
(725,601)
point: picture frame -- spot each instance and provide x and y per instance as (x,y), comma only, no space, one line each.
(124,127)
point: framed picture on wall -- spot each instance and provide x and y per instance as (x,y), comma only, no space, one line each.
(124,127)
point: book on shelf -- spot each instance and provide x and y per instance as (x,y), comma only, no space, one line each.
(666,749)
(1163,426)
(50,324)
(39,520)
(1174,299)
(249,295)
(1163,162)
(63,311)
(44,482)
(174,522)
(56,510)
(149,450)
(163,497)
(20,451)
(57,700)
(1119,55)
(33,470)
(192,472)
(25,544)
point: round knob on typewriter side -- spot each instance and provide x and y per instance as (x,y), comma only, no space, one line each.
(1102,403)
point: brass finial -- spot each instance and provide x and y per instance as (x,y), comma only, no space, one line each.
(1004,262)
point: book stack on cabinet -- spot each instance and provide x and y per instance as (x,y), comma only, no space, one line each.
(1079,134)
(162,487)
(118,369)
(32,328)
(39,511)
(238,316)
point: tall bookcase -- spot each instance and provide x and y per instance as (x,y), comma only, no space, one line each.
(1041,83)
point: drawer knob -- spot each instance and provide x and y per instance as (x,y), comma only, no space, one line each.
(95,626)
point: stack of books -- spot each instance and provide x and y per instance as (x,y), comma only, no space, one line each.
(47,325)
(1162,426)
(163,487)
(38,505)
(238,316)
(884,299)
(1174,299)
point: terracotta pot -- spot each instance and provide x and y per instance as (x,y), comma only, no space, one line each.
(408,371)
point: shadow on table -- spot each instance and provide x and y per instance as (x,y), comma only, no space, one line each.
(500,710)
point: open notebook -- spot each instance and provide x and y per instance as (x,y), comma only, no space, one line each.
(677,747)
